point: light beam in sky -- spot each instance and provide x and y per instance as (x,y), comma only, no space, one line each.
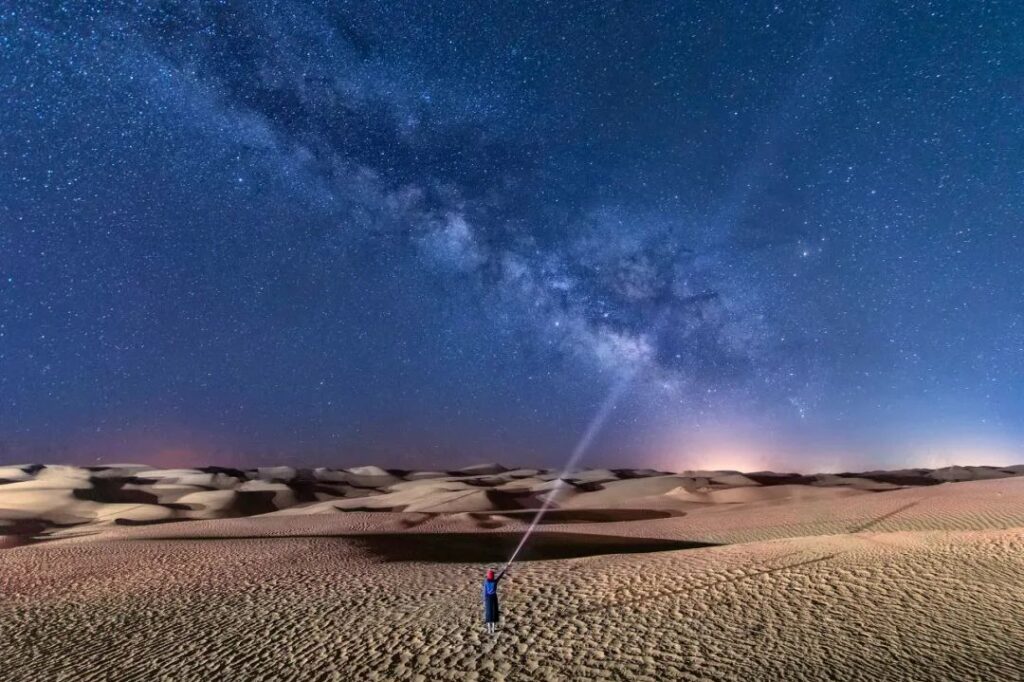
(591,432)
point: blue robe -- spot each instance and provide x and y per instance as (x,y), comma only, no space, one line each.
(491,613)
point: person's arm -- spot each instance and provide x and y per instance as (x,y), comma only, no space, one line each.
(501,574)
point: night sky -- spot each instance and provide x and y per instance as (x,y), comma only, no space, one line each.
(779,235)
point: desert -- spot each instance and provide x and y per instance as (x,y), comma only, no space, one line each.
(133,573)
(522,341)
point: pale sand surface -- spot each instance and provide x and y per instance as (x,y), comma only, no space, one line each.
(720,581)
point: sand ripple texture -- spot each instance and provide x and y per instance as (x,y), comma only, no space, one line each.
(911,584)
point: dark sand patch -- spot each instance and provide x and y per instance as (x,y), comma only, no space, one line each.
(590,515)
(497,547)
(460,548)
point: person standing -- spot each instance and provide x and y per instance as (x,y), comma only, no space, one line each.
(491,612)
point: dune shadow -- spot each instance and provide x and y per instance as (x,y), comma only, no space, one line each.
(461,548)
(497,547)
(588,515)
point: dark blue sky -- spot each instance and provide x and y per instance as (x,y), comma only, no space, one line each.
(428,233)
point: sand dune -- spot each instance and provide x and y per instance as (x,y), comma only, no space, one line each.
(38,501)
(695,576)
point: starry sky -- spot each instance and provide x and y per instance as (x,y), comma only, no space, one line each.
(428,233)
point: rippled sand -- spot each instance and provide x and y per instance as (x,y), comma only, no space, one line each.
(917,583)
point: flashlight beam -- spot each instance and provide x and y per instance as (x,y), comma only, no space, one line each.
(594,428)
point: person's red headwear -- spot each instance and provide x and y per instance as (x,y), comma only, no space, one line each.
(490,574)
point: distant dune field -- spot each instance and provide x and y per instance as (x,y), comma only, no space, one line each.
(130,573)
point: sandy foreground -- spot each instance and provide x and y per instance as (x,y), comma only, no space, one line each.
(639,575)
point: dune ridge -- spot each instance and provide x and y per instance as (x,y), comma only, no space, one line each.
(39,500)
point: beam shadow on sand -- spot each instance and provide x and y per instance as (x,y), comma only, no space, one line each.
(860,528)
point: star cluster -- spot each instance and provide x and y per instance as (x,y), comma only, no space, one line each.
(439,232)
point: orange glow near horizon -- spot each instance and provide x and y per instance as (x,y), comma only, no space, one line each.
(717,454)
(736,453)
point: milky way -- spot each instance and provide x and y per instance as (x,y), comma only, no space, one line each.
(438,232)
